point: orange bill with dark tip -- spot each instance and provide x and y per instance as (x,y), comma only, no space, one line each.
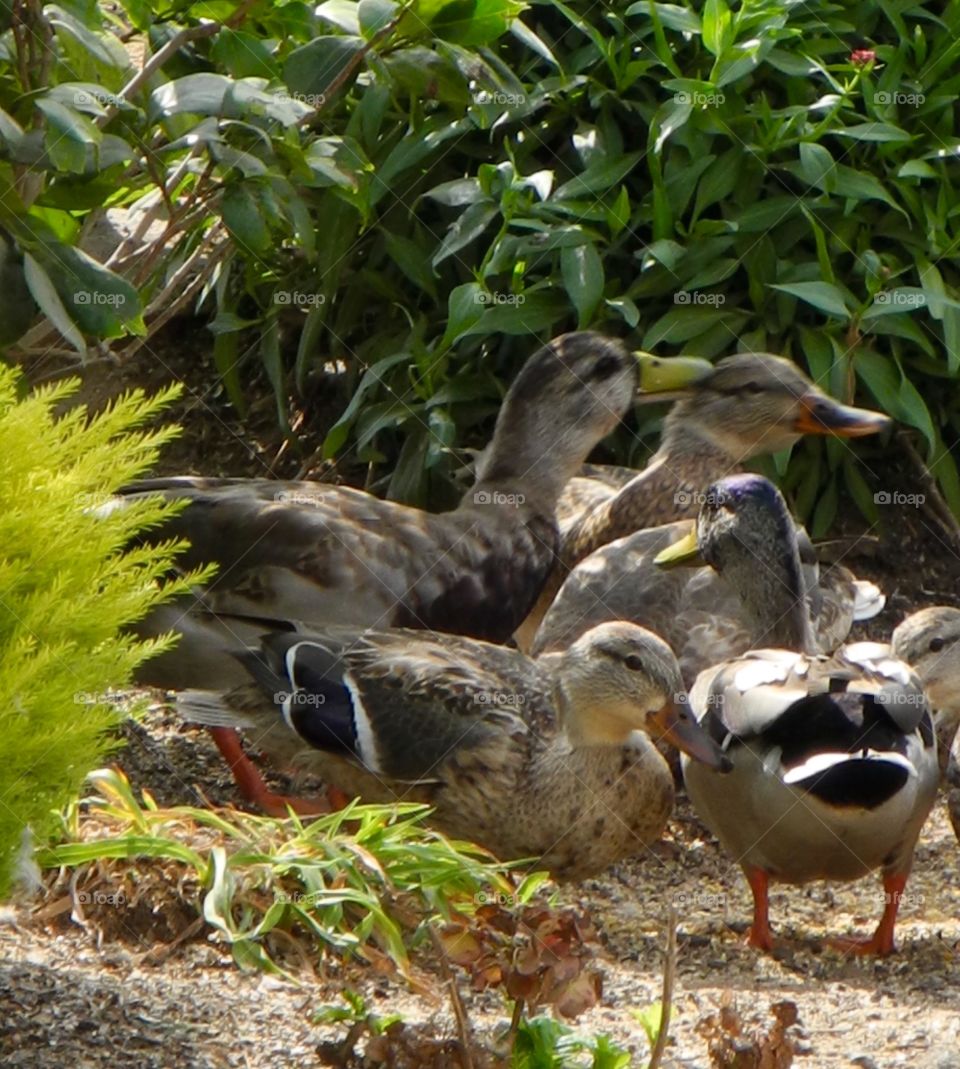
(676,723)
(820,414)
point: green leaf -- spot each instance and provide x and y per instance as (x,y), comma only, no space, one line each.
(409,257)
(717,26)
(464,308)
(45,294)
(374,15)
(599,176)
(198,94)
(470,225)
(530,314)
(673,16)
(822,295)
(669,118)
(873,131)
(244,218)
(582,270)
(817,166)
(311,70)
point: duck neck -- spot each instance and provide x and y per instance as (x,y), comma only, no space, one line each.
(667,489)
(584,722)
(774,599)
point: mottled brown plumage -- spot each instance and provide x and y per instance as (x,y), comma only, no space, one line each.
(752,404)
(311,554)
(708,614)
(550,760)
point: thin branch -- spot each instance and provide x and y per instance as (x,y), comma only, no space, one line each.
(666,998)
(459,1010)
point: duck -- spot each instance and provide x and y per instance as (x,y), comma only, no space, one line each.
(750,404)
(834,756)
(550,760)
(929,641)
(719,611)
(294,554)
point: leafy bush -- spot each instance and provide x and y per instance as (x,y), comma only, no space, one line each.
(67,587)
(414,189)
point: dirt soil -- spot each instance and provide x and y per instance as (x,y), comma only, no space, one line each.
(69,999)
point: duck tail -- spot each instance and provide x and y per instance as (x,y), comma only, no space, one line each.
(208,708)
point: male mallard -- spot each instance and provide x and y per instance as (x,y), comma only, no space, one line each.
(834,772)
(319,554)
(749,405)
(548,759)
(711,614)
(834,757)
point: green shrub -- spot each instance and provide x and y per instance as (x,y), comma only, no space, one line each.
(67,587)
(415,189)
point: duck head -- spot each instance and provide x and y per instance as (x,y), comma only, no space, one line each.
(619,678)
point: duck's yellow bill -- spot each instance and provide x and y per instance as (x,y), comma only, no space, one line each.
(684,551)
(662,374)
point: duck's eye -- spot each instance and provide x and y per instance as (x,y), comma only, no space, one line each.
(634,662)
(606,366)
(751,387)
(936,645)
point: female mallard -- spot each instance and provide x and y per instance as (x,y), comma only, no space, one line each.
(929,641)
(318,554)
(710,614)
(549,759)
(834,757)
(749,405)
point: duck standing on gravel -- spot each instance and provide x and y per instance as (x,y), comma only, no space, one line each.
(548,759)
(834,757)
(294,555)
(749,405)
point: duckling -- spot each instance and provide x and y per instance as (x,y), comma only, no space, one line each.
(312,554)
(548,759)
(710,614)
(750,405)
(834,757)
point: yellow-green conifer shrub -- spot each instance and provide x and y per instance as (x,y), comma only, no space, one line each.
(71,578)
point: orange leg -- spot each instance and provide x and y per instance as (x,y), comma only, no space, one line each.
(881,942)
(759,935)
(251,784)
